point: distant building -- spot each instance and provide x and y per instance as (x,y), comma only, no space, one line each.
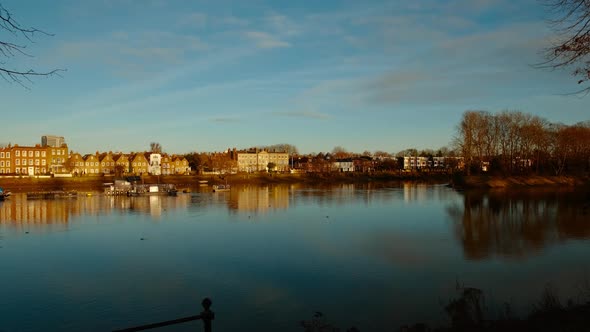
(139,164)
(32,160)
(254,161)
(52,141)
(180,165)
(155,167)
(343,165)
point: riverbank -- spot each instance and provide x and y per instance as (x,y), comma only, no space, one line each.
(505,182)
(96,183)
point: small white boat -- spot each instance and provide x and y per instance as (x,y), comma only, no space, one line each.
(221,187)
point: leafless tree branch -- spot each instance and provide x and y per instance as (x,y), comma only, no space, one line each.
(572,23)
(10,50)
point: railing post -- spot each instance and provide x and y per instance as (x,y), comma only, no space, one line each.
(207,315)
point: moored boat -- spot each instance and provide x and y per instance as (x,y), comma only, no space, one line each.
(221,187)
(127,188)
(4,194)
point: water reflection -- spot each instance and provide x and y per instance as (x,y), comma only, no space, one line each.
(259,199)
(518,224)
(18,210)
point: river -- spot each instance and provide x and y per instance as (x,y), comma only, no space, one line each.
(374,256)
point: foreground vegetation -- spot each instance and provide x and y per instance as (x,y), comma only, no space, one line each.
(468,312)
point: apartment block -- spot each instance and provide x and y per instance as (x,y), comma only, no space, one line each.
(255,161)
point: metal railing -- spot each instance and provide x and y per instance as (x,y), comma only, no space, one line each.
(206,316)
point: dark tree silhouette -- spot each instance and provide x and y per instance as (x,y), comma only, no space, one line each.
(155,147)
(572,50)
(10,49)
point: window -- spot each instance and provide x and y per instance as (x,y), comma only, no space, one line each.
(17,161)
(1,154)
(17,153)
(52,152)
(31,162)
(37,154)
(43,162)
(30,153)
(24,162)
(17,171)
(43,154)
(43,170)
(37,163)
(2,163)
(7,154)
(8,163)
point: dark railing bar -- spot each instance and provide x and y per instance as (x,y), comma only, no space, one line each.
(206,315)
(160,324)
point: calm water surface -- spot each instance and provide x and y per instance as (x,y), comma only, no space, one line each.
(371,256)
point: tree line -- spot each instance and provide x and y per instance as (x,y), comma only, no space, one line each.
(512,142)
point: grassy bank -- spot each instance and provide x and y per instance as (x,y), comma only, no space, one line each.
(499,182)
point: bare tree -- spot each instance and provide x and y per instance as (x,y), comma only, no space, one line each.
(10,49)
(155,147)
(572,23)
(340,153)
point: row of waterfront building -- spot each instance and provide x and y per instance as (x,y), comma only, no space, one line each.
(52,157)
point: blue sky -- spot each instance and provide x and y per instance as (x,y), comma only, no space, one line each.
(208,75)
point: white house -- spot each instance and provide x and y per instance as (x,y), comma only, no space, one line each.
(155,166)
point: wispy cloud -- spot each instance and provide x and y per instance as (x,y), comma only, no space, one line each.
(234,21)
(226,119)
(126,52)
(303,114)
(282,25)
(266,40)
(196,19)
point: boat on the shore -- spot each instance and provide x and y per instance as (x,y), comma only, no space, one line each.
(4,194)
(221,187)
(126,188)
(56,194)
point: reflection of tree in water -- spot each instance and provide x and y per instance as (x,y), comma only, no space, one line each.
(516,224)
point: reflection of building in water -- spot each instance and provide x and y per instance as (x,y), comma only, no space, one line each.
(259,199)
(517,224)
(19,210)
(415,191)
(422,192)
(153,205)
